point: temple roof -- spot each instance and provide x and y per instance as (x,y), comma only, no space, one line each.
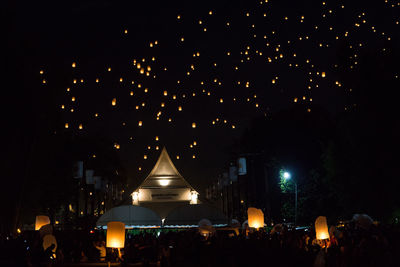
(164,170)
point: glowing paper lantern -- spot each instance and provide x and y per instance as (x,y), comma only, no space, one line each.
(48,240)
(321,228)
(40,221)
(255,217)
(115,235)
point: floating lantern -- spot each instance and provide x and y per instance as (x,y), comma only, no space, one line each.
(115,235)
(321,228)
(40,221)
(255,217)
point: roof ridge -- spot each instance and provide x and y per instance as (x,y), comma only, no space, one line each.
(164,164)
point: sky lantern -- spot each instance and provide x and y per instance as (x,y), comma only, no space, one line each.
(321,228)
(114,102)
(115,235)
(40,221)
(323,74)
(140,123)
(66,125)
(80,126)
(73,64)
(255,217)
(193,125)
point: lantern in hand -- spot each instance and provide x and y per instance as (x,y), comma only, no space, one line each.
(115,235)
(255,218)
(321,228)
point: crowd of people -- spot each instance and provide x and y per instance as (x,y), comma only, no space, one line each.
(347,246)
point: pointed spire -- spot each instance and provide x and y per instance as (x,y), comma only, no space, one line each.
(164,174)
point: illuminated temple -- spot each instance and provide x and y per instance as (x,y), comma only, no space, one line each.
(164,188)
(165,199)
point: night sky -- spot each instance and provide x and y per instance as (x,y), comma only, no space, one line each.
(142,74)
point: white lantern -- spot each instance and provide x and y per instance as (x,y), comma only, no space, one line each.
(115,235)
(255,217)
(321,228)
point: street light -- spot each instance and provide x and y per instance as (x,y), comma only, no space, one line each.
(287,176)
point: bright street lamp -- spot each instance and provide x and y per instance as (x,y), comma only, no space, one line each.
(287,176)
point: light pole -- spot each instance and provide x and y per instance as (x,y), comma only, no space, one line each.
(287,176)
